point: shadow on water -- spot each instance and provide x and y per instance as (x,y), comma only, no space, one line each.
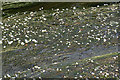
(13,8)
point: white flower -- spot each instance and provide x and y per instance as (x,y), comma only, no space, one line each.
(88,43)
(74,7)
(98,39)
(57,44)
(105,40)
(29,40)
(2,27)
(35,44)
(26,36)
(53,14)
(10,42)
(44,19)
(76,63)
(40,9)
(0,41)
(60,41)
(37,67)
(98,6)
(65,76)
(78,43)
(56,35)
(25,19)
(60,70)
(105,4)
(88,32)
(22,43)
(31,12)
(16,75)
(25,75)
(100,71)
(26,41)
(75,77)
(114,57)
(5,76)
(55,63)
(40,35)
(83,7)
(29,18)
(43,15)
(4,46)
(34,40)
(68,70)
(57,69)
(80,76)
(116,70)
(57,9)
(115,31)
(40,78)
(43,70)
(44,30)
(107,74)
(11,35)
(91,30)
(8,75)
(67,66)
(14,39)
(1,23)
(91,60)
(83,26)
(60,19)
(28,31)
(92,73)
(17,38)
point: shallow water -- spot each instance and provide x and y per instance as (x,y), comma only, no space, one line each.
(63,41)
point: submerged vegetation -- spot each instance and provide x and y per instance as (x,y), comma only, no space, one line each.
(75,41)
